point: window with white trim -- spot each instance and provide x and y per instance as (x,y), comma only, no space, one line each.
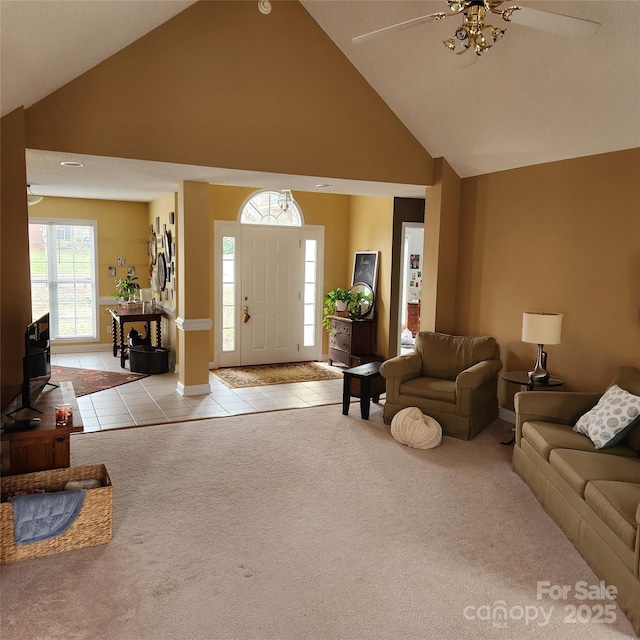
(310,291)
(228,293)
(264,208)
(62,255)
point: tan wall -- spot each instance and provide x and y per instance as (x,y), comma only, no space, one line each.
(560,237)
(122,232)
(159,210)
(222,85)
(15,289)
(371,229)
(441,223)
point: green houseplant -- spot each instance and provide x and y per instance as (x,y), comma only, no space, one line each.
(358,298)
(336,300)
(126,288)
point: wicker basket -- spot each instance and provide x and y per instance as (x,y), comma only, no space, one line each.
(91,527)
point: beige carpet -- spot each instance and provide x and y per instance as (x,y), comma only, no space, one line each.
(267,374)
(296,525)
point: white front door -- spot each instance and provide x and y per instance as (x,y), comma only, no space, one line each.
(271,286)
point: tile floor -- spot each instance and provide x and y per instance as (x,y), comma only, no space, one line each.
(154,399)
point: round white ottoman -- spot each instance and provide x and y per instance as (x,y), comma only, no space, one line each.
(411,427)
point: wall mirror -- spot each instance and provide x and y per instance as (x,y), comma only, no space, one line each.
(363,306)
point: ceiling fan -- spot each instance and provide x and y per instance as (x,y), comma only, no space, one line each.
(474,34)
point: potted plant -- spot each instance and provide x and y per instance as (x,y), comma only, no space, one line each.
(358,298)
(336,301)
(126,289)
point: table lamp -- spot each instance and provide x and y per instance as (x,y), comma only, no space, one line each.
(541,328)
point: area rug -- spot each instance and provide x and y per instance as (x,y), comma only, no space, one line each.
(87,381)
(266,374)
(305,525)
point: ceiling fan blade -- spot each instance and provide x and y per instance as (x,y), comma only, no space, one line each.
(554,22)
(401,25)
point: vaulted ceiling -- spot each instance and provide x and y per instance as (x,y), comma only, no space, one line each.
(534,97)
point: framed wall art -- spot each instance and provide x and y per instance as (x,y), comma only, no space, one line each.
(365,268)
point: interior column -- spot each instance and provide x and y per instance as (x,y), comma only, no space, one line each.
(439,272)
(193,323)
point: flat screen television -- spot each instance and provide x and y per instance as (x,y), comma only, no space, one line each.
(36,363)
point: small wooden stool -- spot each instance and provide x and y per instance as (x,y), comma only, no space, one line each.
(364,382)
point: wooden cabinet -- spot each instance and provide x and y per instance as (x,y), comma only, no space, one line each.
(37,450)
(352,342)
(413,317)
(47,446)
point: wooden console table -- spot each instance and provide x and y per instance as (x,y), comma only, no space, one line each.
(119,317)
(46,446)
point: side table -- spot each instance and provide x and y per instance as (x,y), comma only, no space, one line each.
(522,378)
(121,316)
(364,382)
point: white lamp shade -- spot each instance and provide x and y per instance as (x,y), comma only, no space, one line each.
(146,295)
(541,328)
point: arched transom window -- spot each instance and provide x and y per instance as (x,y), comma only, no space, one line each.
(267,207)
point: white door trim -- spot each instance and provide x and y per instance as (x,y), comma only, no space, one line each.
(234,229)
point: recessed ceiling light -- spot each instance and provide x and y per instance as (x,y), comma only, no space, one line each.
(71,163)
(324,186)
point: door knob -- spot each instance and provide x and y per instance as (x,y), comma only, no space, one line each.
(245,314)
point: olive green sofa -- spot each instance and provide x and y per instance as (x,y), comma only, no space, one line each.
(593,495)
(453,379)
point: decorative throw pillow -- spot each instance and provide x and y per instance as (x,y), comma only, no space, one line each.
(615,415)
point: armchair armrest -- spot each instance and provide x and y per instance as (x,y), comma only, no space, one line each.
(396,370)
(478,374)
(404,367)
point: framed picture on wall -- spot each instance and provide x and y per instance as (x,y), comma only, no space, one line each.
(365,268)
(172,217)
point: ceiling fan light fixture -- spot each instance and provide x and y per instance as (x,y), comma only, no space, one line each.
(497,33)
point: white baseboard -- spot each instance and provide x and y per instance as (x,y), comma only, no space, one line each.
(80,348)
(193,389)
(507,415)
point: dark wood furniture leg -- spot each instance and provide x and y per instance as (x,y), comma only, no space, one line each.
(346,394)
(158,333)
(122,353)
(365,397)
(114,335)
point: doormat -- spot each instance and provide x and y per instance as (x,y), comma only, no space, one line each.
(266,374)
(86,381)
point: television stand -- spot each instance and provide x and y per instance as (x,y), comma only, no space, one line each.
(45,446)
(47,384)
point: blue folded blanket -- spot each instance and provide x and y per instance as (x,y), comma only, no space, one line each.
(45,515)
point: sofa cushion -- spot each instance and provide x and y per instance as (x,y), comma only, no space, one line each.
(616,413)
(432,388)
(546,436)
(616,503)
(579,467)
(628,378)
(445,356)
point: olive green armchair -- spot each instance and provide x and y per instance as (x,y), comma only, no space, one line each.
(453,379)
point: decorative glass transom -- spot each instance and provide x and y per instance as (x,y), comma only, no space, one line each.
(265,208)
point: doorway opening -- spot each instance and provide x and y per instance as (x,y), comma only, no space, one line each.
(411,263)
